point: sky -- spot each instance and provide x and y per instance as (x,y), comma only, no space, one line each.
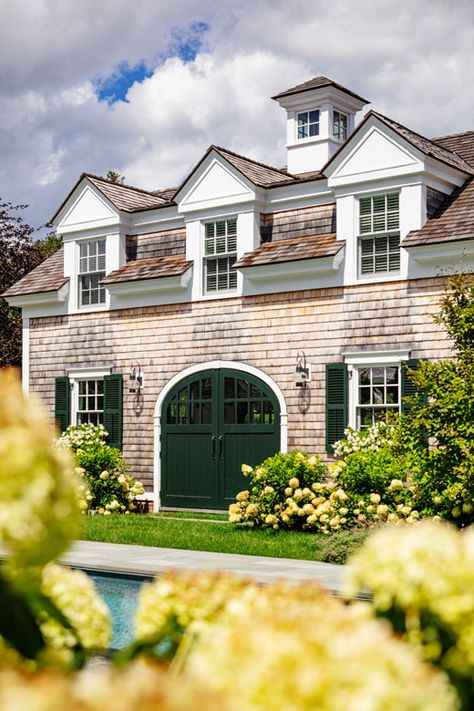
(144,87)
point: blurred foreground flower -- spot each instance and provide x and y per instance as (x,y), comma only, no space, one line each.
(39,514)
(137,688)
(289,648)
(422,581)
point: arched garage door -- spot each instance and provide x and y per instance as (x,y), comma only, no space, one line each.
(212,423)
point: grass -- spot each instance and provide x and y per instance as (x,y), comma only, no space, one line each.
(167,532)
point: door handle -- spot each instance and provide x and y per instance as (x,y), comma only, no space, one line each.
(213,439)
(221,447)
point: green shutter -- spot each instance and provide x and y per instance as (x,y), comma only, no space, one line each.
(408,386)
(62,402)
(113,388)
(336,402)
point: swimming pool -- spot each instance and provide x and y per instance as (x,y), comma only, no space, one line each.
(120,593)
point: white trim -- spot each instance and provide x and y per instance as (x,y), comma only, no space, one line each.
(151,286)
(48,297)
(358,359)
(25,355)
(77,374)
(210,365)
(375,358)
(294,269)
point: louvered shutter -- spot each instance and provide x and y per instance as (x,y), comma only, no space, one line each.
(408,386)
(113,388)
(62,402)
(336,402)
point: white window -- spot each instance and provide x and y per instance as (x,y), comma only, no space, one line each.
(220,250)
(308,124)
(339,125)
(379,236)
(90,402)
(91,272)
(377,392)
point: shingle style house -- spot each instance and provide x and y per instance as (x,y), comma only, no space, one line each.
(252,308)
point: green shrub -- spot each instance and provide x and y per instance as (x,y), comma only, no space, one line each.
(111,488)
(338,547)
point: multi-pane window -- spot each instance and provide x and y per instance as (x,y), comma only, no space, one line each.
(378,392)
(220,250)
(91,272)
(308,124)
(90,402)
(339,125)
(379,240)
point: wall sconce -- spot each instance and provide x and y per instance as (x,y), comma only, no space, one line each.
(302,371)
(135,377)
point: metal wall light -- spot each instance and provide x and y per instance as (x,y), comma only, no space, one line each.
(302,370)
(135,377)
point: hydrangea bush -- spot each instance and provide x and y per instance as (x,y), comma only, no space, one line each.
(112,489)
(424,586)
(295,491)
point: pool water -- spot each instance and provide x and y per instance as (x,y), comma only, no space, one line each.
(120,593)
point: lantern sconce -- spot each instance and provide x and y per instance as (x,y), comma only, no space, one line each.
(135,377)
(302,371)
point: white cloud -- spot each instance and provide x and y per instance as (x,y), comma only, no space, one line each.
(414,60)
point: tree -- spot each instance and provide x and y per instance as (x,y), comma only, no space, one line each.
(441,419)
(19,254)
(115,177)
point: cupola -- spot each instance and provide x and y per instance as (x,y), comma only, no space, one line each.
(320,117)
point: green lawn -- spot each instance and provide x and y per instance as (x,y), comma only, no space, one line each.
(166,532)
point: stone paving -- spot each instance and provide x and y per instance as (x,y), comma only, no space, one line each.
(150,561)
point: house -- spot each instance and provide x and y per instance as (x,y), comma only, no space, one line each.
(252,309)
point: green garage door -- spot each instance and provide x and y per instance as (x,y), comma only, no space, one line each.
(212,423)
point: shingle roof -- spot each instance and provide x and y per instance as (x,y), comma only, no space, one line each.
(425,145)
(47,276)
(453,221)
(152,268)
(460,143)
(258,173)
(316,83)
(124,197)
(292,250)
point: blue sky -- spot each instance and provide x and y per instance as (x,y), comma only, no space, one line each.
(185,43)
(88,87)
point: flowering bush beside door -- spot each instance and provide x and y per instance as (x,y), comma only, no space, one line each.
(111,488)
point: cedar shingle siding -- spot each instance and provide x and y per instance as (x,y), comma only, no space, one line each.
(263,331)
(156,244)
(306,222)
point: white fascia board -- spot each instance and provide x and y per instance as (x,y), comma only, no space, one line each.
(242,190)
(110,216)
(48,297)
(392,182)
(94,232)
(442,252)
(165,218)
(151,286)
(445,174)
(320,96)
(296,195)
(375,357)
(298,269)
(359,137)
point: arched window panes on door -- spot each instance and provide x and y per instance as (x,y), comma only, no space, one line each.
(245,403)
(192,405)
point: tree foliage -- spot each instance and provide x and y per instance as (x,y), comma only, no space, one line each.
(440,423)
(115,177)
(19,254)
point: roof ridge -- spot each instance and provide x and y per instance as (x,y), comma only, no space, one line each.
(252,160)
(119,185)
(452,135)
(420,135)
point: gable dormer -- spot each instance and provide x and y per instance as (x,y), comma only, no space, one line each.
(320,117)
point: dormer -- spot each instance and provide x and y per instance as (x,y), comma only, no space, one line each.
(320,117)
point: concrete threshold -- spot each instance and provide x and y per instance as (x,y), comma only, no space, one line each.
(150,561)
